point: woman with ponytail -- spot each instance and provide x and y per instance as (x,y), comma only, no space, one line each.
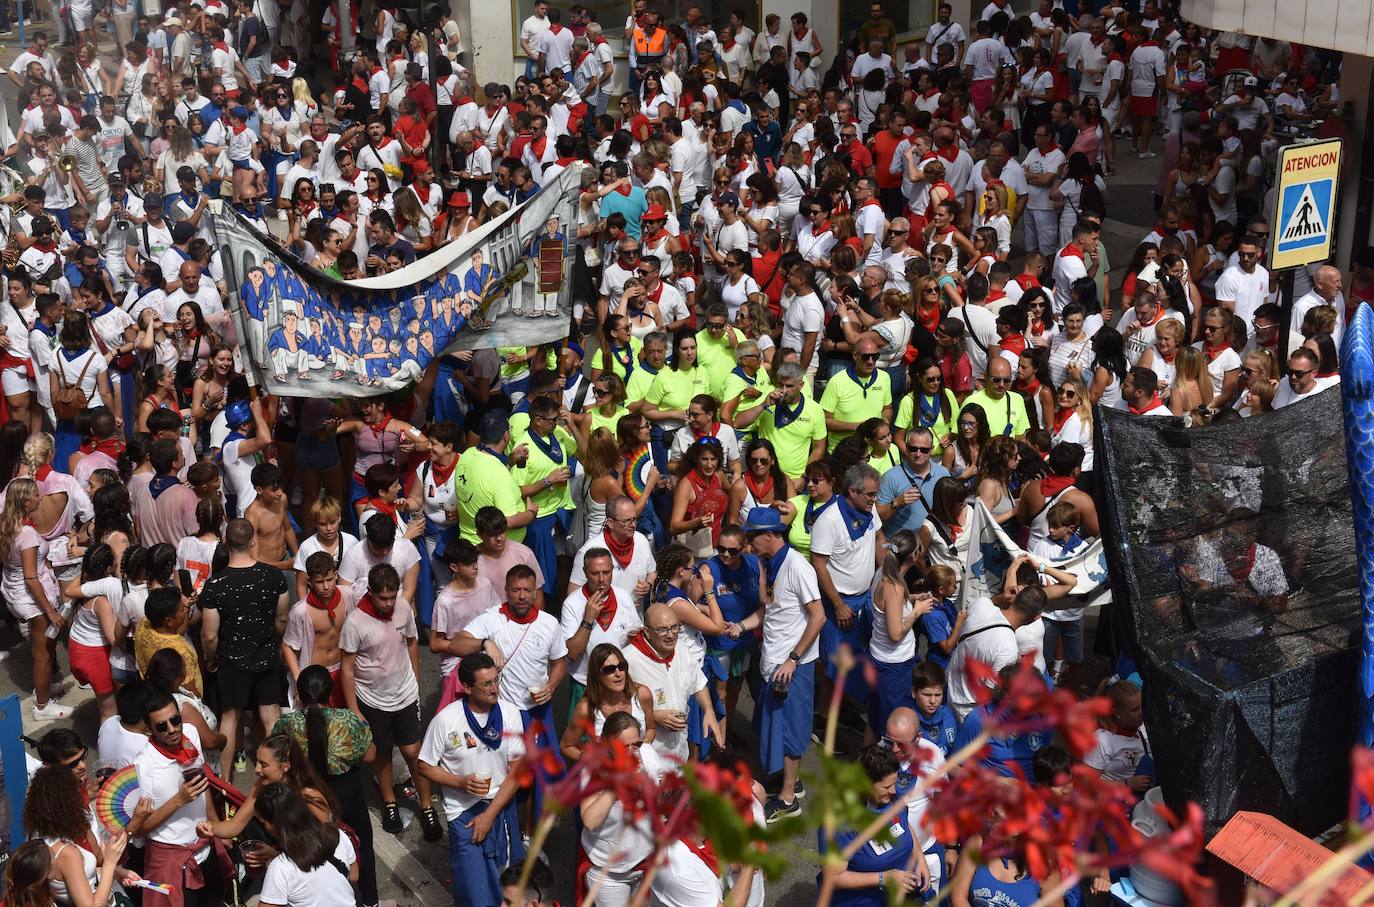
(895,612)
(29,588)
(335,743)
(63,502)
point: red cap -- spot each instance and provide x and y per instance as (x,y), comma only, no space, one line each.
(655,212)
(459,200)
(421,167)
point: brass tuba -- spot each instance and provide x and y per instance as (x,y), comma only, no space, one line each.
(66,163)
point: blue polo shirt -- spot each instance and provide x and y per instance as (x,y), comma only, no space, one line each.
(632,206)
(897,480)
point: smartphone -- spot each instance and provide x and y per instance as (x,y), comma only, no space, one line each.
(187,587)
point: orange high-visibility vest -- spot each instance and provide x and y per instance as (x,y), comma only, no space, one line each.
(652,46)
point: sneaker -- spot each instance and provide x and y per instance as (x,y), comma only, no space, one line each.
(51,712)
(391,818)
(800,790)
(775,809)
(1146,155)
(240,763)
(434,829)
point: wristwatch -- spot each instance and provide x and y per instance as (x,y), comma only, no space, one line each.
(794,656)
(587,625)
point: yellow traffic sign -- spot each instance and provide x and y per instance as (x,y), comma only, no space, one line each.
(1308,179)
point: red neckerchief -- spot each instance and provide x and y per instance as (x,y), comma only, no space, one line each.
(239,128)
(1073,251)
(607,611)
(873,202)
(1027,282)
(374,70)
(621,551)
(728,46)
(360,83)
(1159,315)
(1117,57)
(441,474)
(948,152)
(623,190)
(380,428)
(316,602)
(44,245)
(184,756)
(1247,564)
(381,506)
(1099,40)
(578,58)
(1327,374)
(1212,353)
(758,492)
(1032,388)
(529,618)
(41,475)
(1037,327)
(655,238)
(1168,359)
(538,146)
(1062,415)
(642,644)
(799,34)
(110,447)
(555,27)
(705,853)
(465,99)
(1156,402)
(1269,344)
(429,190)
(994,296)
(365,605)
(564,161)
(220,45)
(1052,485)
(715,427)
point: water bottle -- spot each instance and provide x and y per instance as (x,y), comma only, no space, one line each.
(65,612)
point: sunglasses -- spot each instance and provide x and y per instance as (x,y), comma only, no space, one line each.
(645,273)
(76,760)
(1294,373)
(727,551)
(915,449)
(1000,380)
(630,253)
(601,391)
(1067,392)
(760,461)
(164,726)
(612,667)
(716,325)
(867,357)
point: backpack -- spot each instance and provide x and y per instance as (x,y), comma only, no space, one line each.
(70,400)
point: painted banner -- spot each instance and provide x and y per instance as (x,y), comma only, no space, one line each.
(308,334)
(987,552)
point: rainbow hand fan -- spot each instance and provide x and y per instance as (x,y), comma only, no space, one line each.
(114,804)
(636,477)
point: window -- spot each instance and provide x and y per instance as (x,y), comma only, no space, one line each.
(911,18)
(611,15)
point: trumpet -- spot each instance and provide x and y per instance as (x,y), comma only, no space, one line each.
(66,163)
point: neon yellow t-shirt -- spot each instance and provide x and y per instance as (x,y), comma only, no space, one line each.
(641,379)
(793,441)
(607,422)
(516,371)
(906,411)
(674,390)
(886,461)
(849,401)
(616,363)
(481,480)
(735,385)
(717,357)
(798,535)
(540,464)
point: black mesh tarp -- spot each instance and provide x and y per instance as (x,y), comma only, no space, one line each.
(1233,550)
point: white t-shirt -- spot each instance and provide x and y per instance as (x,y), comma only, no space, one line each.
(1035,162)
(70,370)
(995,648)
(684,880)
(1067,269)
(784,619)
(803,315)
(159,779)
(285,883)
(312,545)
(624,621)
(453,745)
(1247,291)
(531,29)
(670,685)
(118,747)
(1227,361)
(529,650)
(1285,395)
(1116,755)
(1147,65)
(869,220)
(359,559)
(986,56)
(641,563)
(384,677)
(981,324)
(852,562)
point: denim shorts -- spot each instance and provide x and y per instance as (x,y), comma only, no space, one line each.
(1071,632)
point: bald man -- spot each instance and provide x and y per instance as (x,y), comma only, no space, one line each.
(860,392)
(903,731)
(192,289)
(1326,290)
(674,681)
(1005,411)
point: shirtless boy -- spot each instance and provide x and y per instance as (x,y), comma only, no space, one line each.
(314,624)
(276,539)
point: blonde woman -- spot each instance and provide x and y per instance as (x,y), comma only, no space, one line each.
(755,320)
(1161,357)
(30,589)
(1192,388)
(412,221)
(602,481)
(993,214)
(1259,371)
(181,152)
(62,501)
(1073,419)
(608,391)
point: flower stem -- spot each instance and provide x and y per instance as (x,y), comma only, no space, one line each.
(1054,895)
(541,834)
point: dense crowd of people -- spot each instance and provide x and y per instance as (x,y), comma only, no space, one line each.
(825,305)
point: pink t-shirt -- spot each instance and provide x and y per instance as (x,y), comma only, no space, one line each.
(453,609)
(494,569)
(17,596)
(168,518)
(382,671)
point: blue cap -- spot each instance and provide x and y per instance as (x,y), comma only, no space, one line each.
(237,413)
(240,111)
(764,519)
(576,348)
(728,198)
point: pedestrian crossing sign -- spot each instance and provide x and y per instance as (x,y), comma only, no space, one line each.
(1308,177)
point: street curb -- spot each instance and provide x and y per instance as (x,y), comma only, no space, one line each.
(410,873)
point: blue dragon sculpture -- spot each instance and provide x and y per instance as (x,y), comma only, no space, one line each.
(1357,391)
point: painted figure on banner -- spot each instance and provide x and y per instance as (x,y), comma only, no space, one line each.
(548,253)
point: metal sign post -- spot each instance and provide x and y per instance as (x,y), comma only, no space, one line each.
(1304,216)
